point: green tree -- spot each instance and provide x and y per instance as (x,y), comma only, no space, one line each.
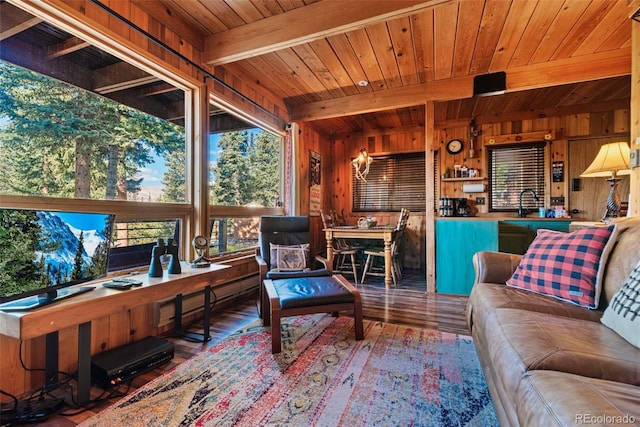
(67,142)
(19,270)
(232,169)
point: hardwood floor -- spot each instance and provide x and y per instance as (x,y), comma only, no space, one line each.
(407,304)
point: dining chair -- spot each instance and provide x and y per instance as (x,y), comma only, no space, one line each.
(345,256)
(372,255)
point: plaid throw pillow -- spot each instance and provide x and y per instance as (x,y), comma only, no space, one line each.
(623,313)
(566,266)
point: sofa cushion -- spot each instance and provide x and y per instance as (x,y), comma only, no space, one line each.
(290,257)
(485,298)
(567,266)
(623,313)
(519,341)
(624,256)
(548,398)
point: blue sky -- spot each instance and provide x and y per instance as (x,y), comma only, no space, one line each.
(83,221)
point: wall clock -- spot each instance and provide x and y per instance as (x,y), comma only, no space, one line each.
(454,146)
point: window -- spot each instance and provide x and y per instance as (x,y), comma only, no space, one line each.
(394,182)
(83,128)
(513,169)
(244,182)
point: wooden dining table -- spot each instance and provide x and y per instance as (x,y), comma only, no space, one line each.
(383,232)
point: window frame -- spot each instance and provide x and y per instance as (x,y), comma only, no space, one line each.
(541,188)
(393,204)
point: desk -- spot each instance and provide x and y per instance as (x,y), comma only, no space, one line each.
(80,310)
(384,233)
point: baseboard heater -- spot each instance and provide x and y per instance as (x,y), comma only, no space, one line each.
(164,311)
(123,363)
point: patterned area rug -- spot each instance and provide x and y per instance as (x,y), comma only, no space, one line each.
(397,376)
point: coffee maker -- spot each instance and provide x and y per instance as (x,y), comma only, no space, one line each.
(454,207)
(461,207)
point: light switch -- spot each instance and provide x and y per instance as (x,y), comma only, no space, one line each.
(634,158)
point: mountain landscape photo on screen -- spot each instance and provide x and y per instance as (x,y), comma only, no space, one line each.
(40,249)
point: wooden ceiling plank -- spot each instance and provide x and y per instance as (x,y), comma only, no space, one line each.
(618,38)
(493,20)
(571,70)
(246,10)
(302,25)
(512,32)
(305,77)
(192,33)
(422,28)
(588,21)
(539,23)
(403,47)
(359,41)
(224,14)
(349,61)
(615,20)
(384,54)
(321,69)
(334,67)
(565,20)
(444,33)
(466,36)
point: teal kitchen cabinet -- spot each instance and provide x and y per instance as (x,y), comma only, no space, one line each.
(456,242)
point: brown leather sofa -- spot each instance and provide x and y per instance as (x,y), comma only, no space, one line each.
(548,362)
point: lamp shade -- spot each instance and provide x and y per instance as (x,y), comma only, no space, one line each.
(612,160)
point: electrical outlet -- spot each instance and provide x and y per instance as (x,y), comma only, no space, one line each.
(480,201)
(557,201)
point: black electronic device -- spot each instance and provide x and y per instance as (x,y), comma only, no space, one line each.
(490,84)
(117,285)
(123,363)
(46,252)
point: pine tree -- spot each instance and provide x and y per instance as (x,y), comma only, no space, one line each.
(78,261)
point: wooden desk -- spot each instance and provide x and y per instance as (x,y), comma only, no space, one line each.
(384,233)
(80,310)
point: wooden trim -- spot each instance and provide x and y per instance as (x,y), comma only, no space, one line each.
(516,138)
(430,215)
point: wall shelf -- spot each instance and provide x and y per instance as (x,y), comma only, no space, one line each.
(478,178)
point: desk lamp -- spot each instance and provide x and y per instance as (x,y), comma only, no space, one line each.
(612,160)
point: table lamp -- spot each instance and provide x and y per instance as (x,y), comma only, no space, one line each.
(612,160)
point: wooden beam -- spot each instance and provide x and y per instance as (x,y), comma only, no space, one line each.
(121,76)
(553,73)
(66,47)
(15,20)
(303,25)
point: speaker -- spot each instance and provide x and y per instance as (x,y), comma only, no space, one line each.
(490,84)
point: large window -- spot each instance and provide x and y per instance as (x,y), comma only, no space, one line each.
(85,130)
(244,182)
(513,169)
(394,182)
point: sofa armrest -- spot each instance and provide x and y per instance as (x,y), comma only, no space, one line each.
(494,267)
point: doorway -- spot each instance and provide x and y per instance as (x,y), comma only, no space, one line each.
(589,197)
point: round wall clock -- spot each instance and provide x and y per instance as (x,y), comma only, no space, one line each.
(454,146)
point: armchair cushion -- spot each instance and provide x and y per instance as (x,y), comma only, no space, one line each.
(290,257)
(567,266)
(303,292)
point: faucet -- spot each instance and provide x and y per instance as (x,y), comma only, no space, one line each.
(522,213)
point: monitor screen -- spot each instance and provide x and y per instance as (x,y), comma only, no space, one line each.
(42,252)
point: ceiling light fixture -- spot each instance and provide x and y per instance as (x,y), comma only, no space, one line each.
(361,165)
(363,83)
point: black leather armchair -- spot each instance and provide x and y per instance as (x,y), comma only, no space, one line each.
(292,293)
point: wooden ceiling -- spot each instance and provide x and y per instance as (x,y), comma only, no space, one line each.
(558,55)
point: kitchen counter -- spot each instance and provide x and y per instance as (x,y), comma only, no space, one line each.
(459,238)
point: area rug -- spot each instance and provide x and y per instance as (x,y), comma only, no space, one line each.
(396,376)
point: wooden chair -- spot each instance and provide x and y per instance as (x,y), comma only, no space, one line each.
(293,293)
(370,266)
(345,256)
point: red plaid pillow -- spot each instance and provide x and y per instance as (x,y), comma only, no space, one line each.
(567,266)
